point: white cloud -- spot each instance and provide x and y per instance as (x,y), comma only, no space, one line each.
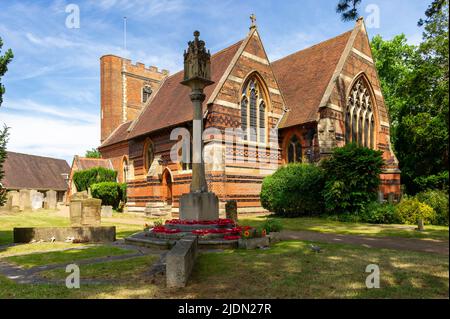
(141,8)
(58,138)
(62,112)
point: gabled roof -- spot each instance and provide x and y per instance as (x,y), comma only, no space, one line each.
(171,104)
(24,171)
(118,135)
(304,76)
(83,163)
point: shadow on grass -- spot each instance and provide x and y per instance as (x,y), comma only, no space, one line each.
(6,237)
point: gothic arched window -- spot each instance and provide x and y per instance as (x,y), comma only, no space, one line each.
(262,121)
(253,111)
(125,169)
(294,150)
(149,154)
(146,93)
(359,120)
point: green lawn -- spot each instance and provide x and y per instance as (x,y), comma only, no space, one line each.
(287,270)
(131,269)
(324,225)
(66,256)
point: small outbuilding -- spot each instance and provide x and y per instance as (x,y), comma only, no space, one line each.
(34,182)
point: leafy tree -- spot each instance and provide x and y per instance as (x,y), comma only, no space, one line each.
(85,178)
(414,81)
(93,153)
(348,9)
(352,178)
(4,61)
(294,190)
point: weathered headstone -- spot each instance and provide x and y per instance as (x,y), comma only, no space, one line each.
(391,198)
(85,212)
(24,199)
(79,195)
(37,199)
(50,199)
(231,210)
(380,197)
(420,224)
(15,199)
(107,211)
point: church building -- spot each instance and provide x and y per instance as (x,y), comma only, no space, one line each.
(296,109)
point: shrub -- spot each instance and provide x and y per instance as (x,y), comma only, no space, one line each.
(376,213)
(439,181)
(410,210)
(438,200)
(294,190)
(108,192)
(85,178)
(272,225)
(352,178)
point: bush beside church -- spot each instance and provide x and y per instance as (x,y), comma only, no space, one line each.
(345,187)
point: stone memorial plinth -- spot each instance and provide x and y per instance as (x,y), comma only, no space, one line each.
(199,206)
(85,212)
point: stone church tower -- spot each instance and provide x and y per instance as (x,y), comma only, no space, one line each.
(125,89)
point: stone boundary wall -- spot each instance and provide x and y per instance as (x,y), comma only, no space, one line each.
(180,261)
(89,233)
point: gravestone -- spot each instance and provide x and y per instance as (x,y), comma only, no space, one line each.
(37,199)
(391,198)
(231,210)
(85,212)
(107,211)
(380,197)
(50,199)
(24,199)
(14,196)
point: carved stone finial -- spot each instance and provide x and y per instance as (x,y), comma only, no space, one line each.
(253,20)
(197,60)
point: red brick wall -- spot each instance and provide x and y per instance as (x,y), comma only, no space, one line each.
(122,82)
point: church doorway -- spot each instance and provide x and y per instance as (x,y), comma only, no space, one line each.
(167,187)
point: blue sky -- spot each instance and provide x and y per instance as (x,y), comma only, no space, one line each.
(53,87)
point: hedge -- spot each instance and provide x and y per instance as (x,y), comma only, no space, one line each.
(85,178)
(294,190)
(352,178)
(111,193)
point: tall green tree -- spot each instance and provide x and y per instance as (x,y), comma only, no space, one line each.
(414,81)
(348,9)
(93,153)
(4,60)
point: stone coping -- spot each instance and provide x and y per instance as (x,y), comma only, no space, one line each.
(48,234)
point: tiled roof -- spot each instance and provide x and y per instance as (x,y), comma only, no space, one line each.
(118,135)
(34,172)
(304,76)
(171,104)
(87,163)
